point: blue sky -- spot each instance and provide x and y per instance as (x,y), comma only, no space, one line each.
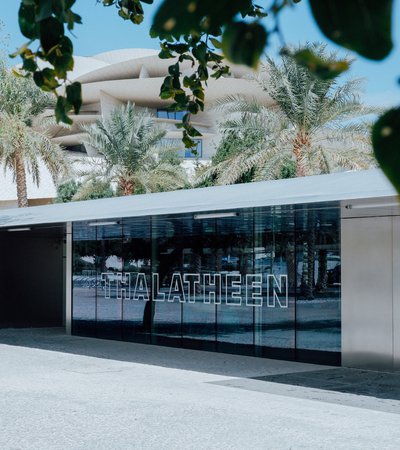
(103,30)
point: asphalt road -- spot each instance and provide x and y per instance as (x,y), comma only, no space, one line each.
(63,392)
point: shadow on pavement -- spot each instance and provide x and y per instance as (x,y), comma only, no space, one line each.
(244,372)
(348,381)
(55,339)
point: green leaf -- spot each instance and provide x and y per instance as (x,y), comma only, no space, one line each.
(184,17)
(200,53)
(216,43)
(44,10)
(193,107)
(51,33)
(74,96)
(153,33)
(244,43)
(23,51)
(61,110)
(165,54)
(386,143)
(189,143)
(27,21)
(29,65)
(363,25)
(322,68)
(174,70)
(46,79)
(203,73)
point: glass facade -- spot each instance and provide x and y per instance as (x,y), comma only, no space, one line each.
(259,281)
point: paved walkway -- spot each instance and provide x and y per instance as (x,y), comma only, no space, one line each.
(63,392)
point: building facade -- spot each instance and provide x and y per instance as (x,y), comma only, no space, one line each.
(301,269)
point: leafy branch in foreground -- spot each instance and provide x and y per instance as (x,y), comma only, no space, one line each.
(203,32)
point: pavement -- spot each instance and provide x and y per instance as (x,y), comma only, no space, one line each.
(69,392)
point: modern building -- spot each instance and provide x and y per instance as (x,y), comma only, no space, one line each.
(114,78)
(302,269)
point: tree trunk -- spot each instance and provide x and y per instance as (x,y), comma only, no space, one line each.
(307,282)
(300,144)
(309,291)
(291,265)
(197,268)
(126,186)
(20,178)
(322,282)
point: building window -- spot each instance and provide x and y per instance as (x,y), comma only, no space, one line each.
(196,151)
(78,148)
(174,115)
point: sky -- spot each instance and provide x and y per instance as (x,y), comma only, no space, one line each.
(104,30)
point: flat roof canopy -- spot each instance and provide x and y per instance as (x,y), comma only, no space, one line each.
(315,189)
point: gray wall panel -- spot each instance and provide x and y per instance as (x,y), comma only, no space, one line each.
(367,292)
(396,292)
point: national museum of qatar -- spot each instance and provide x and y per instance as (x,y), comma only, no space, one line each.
(301,269)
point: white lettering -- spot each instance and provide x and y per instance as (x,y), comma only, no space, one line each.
(185,288)
(254,290)
(277,288)
(141,291)
(212,288)
(233,289)
(176,291)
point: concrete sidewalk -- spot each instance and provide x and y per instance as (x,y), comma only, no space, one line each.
(65,392)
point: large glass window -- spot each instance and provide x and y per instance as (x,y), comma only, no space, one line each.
(262,281)
(84,280)
(136,279)
(274,260)
(318,317)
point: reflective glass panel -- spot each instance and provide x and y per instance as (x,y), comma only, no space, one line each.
(263,281)
(84,280)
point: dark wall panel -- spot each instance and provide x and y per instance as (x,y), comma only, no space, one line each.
(31,268)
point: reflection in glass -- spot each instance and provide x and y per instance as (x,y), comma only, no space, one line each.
(84,281)
(136,264)
(318,286)
(275,261)
(109,273)
(263,281)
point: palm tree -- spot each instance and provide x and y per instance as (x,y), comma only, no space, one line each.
(317,126)
(134,155)
(24,142)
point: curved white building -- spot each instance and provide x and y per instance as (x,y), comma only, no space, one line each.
(113,78)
